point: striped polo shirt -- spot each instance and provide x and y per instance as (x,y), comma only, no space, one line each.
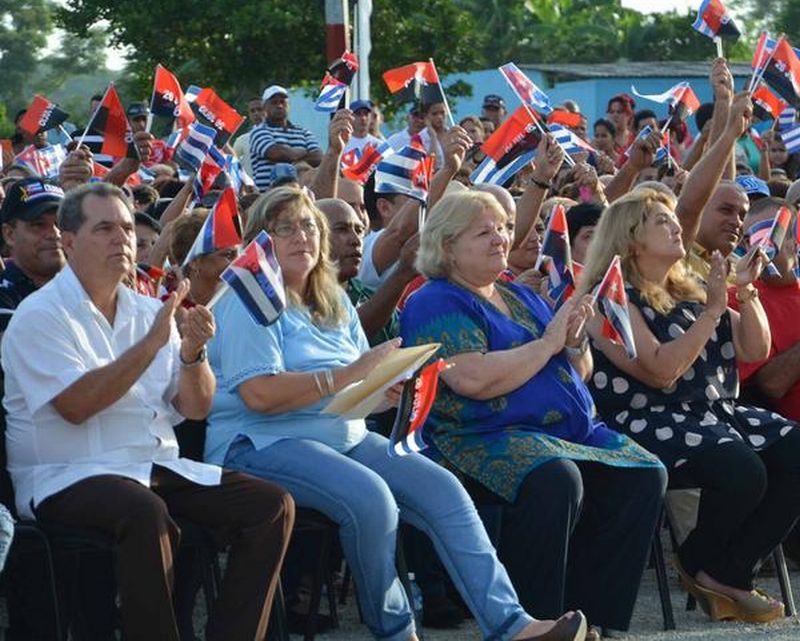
(263,136)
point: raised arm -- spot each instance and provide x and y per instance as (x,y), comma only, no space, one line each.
(326,179)
(548,162)
(126,167)
(455,148)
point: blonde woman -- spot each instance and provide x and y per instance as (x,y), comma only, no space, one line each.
(678,399)
(578,501)
(267,420)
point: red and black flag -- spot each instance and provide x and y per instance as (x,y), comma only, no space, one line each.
(417,82)
(782,73)
(419,393)
(214,111)
(564,117)
(110,121)
(766,105)
(42,115)
(168,99)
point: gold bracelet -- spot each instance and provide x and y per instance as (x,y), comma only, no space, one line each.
(750,294)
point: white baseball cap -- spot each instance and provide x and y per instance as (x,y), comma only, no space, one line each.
(273,90)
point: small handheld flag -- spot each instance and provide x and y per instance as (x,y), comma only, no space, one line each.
(335,83)
(255,276)
(194,148)
(565,118)
(213,165)
(42,115)
(407,171)
(569,141)
(365,164)
(525,89)
(714,21)
(419,394)
(782,72)
(791,138)
(213,111)
(612,303)
(662,153)
(168,99)
(766,105)
(511,147)
(222,228)
(417,82)
(681,99)
(110,120)
(555,258)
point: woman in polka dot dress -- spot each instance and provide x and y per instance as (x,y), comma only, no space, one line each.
(677,398)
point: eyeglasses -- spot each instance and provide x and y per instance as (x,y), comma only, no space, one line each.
(287,230)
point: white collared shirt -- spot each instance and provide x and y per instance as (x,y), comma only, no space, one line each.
(55,337)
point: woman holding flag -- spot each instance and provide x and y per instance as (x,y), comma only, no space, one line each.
(677,398)
(578,503)
(272,384)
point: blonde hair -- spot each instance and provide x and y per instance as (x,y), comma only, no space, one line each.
(619,231)
(323,296)
(447,220)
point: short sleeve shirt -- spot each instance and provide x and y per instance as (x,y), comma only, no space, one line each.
(265,136)
(15,286)
(242,350)
(57,336)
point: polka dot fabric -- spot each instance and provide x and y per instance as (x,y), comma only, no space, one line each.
(698,411)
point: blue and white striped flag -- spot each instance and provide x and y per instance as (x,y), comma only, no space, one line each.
(787,118)
(569,141)
(405,172)
(191,93)
(791,138)
(330,94)
(194,148)
(236,174)
(255,276)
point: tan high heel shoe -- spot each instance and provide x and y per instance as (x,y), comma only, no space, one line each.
(718,606)
(759,607)
(570,627)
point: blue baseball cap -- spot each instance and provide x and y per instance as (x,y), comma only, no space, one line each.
(753,185)
(360,104)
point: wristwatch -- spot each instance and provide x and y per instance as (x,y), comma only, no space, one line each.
(201,358)
(580,350)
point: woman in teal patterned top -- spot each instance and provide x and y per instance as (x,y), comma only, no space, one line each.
(516,422)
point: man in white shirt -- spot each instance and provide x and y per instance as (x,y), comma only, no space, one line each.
(95,377)
(362,112)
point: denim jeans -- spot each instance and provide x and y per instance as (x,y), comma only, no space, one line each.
(365,492)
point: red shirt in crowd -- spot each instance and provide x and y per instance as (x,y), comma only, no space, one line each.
(782,305)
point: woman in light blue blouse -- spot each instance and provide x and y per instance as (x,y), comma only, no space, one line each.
(267,420)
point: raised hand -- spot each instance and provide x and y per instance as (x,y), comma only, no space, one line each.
(340,130)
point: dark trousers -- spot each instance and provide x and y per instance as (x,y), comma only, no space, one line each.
(253,516)
(748,504)
(578,536)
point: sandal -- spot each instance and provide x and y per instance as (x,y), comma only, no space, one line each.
(759,607)
(718,606)
(570,627)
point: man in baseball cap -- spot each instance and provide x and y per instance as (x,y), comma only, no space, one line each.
(30,232)
(494,108)
(277,140)
(362,111)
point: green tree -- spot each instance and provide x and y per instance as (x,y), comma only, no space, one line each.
(24,27)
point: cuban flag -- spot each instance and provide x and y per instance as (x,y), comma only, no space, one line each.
(525,89)
(367,159)
(194,148)
(236,174)
(714,21)
(44,162)
(787,118)
(511,147)
(681,99)
(555,258)
(782,73)
(213,165)
(764,48)
(662,153)
(612,303)
(255,276)
(42,115)
(222,228)
(791,138)
(192,91)
(569,141)
(407,171)
(330,94)
(419,394)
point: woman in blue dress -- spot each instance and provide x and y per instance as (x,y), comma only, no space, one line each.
(267,418)
(515,421)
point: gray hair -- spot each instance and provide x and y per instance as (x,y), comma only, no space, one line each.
(447,220)
(70,213)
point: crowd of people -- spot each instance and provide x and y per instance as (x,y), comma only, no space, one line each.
(542,422)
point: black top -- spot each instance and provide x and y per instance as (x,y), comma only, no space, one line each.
(14,287)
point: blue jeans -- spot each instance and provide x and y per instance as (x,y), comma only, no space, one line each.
(365,491)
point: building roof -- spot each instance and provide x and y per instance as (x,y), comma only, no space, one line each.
(628,69)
